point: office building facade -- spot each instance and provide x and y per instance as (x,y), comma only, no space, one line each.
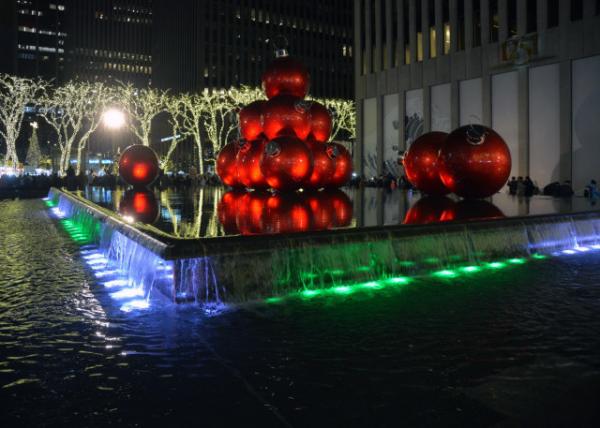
(527,68)
(216,44)
(33,38)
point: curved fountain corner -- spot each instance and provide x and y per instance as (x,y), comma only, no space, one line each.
(214,271)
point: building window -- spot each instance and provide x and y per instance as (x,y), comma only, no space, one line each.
(432,34)
(531,16)
(476,23)
(395,60)
(419,26)
(576,10)
(384,40)
(446,20)
(460,26)
(494,21)
(512,17)
(552,13)
(406,28)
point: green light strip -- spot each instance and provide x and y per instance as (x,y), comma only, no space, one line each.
(388,282)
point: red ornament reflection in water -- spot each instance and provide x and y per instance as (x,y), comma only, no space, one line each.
(139,206)
(260,212)
(138,165)
(471,210)
(421,163)
(474,162)
(429,209)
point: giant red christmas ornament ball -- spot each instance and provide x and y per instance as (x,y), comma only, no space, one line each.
(320,122)
(323,164)
(286,115)
(286,163)
(248,164)
(251,120)
(286,76)
(343,165)
(474,162)
(140,206)
(138,165)
(420,163)
(226,167)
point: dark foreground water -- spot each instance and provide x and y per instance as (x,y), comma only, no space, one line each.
(518,347)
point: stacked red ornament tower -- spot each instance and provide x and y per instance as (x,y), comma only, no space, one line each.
(284,139)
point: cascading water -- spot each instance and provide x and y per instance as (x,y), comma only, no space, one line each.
(128,260)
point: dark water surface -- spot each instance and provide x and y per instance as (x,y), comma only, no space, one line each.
(202,212)
(518,347)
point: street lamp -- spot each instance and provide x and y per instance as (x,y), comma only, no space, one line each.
(113,119)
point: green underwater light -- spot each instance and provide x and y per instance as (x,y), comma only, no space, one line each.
(496,265)
(470,269)
(446,273)
(342,289)
(391,281)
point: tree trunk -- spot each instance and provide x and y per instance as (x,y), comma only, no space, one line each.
(79,152)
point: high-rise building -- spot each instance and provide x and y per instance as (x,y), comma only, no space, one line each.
(77,39)
(110,40)
(219,43)
(33,38)
(527,68)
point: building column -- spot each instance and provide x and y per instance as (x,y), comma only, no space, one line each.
(454,104)
(566,119)
(502,20)
(485,22)
(401,42)
(402,115)
(521,17)
(589,9)
(357,150)
(486,97)
(468,10)
(389,44)
(412,25)
(564,22)
(379,118)
(453,25)
(425,30)
(358,63)
(426,109)
(542,15)
(523,125)
(368,41)
(377,66)
(439,27)
(358,54)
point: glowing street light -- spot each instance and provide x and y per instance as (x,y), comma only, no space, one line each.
(113,119)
